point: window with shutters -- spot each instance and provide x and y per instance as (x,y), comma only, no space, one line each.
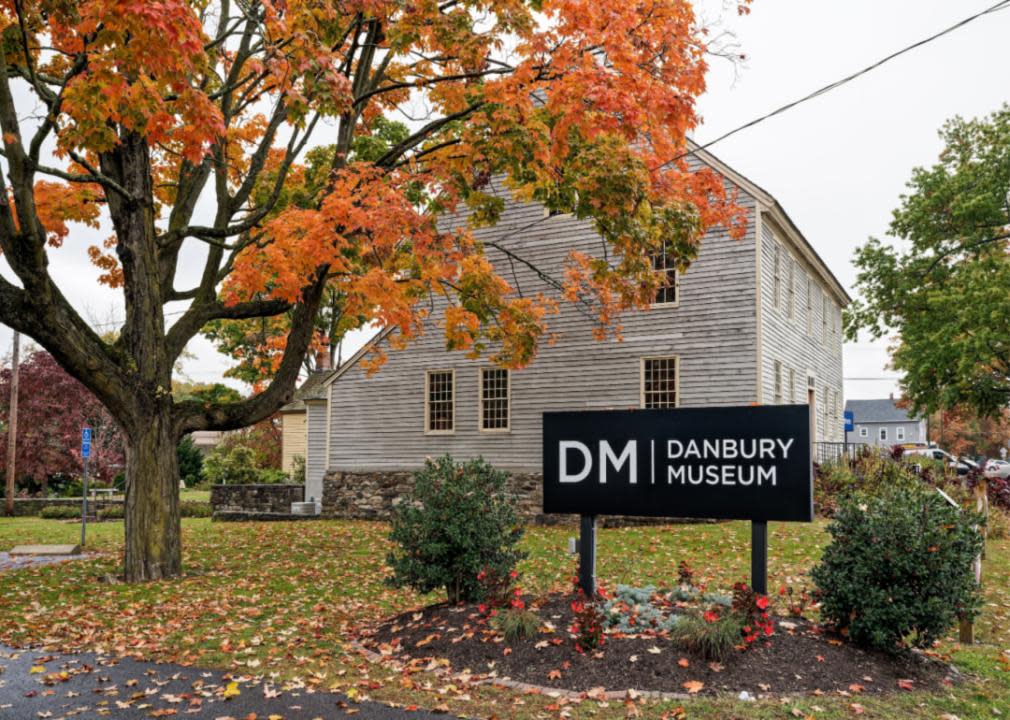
(495,386)
(660,382)
(440,401)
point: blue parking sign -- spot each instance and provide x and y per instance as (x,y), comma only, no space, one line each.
(85,442)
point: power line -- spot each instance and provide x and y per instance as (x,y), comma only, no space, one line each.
(1002,5)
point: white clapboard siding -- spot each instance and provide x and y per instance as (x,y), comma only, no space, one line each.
(377,423)
(786,340)
(315,458)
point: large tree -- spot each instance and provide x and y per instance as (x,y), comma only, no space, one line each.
(943,289)
(184,122)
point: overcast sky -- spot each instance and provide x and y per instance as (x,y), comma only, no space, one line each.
(837,164)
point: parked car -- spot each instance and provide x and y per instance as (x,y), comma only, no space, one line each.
(962,465)
(997,468)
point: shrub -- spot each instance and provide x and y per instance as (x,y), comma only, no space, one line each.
(517,624)
(190,461)
(234,466)
(60,512)
(113,512)
(298,470)
(898,570)
(195,509)
(713,636)
(457,521)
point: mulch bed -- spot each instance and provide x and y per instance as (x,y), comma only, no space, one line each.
(800,657)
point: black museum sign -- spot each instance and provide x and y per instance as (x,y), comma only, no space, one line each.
(736,463)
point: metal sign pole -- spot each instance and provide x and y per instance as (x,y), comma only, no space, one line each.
(587,555)
(85,455)
(759,557)
(84,505)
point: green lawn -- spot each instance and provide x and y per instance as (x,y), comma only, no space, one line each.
(188,495)
(282,597)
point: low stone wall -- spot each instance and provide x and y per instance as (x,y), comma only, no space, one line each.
(373,495)
(269,499)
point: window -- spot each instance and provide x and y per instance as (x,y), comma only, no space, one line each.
(777,277)
(778,382)
(899,434)
(440,401)
(792,385)
(659,382)
(791,290)
(883,434)
(824,318)
(864,431)
(664,264)
(494,399)
(810,307)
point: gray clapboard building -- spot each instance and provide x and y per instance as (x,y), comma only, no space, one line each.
(883,423)
(753,320)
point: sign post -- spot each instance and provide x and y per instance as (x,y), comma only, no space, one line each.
(85,455)
(850,426)
(736,463)
(587,555)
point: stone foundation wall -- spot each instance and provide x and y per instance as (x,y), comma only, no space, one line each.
(25,507)
(270,499)
(373,495)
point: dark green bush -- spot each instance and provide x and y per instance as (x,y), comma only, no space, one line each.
(898,571)
(190,461)
(194,509)
(457,521)
(113,512)
(60,512)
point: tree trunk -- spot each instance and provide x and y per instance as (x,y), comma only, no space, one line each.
(153,533)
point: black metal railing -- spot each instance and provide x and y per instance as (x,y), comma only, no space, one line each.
(826,452)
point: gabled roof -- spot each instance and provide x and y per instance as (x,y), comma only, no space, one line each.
(766,203)
(314,388)
(878,411)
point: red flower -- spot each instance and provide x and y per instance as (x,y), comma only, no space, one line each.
(762,602)
(711,616)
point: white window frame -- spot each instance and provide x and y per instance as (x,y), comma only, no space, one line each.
(810,306)
(864,432)
(882,434)
(427,401)
(676,378)
(508,401)
(791,289)
(777,396)
(777,277)
(899,433)
(824,318)
(664,272)
(792,385)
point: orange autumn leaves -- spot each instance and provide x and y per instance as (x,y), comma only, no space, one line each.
(582,105)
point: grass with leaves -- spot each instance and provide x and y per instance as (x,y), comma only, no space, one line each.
(284,597)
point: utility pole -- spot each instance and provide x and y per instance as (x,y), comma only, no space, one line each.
(12,425)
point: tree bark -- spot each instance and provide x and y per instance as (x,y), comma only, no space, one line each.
(153,532)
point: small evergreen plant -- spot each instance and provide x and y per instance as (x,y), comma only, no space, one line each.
(898,571)
(458,521)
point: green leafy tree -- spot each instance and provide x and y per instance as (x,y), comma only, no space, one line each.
(943,289)
(459,520)
(190,461)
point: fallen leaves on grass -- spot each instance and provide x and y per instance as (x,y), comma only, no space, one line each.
(693,687)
